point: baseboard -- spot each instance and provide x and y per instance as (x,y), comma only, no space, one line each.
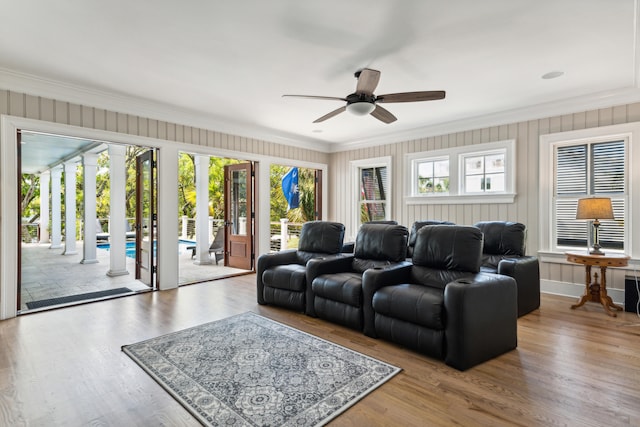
(576,290)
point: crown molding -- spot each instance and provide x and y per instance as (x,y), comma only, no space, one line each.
(43,87)
(551,109)
(121,103)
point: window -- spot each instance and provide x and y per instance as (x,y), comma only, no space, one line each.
(589,169)
(373,193)
(583,163)
(433,176)
(484,173)
(481,173)
(371,190)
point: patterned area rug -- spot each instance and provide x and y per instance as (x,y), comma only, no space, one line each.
(249,370)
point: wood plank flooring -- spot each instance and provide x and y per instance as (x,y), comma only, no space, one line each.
(572,367)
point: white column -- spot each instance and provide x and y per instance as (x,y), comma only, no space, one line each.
(89,163)
(185,224)
(56,209)
(284,234)
(45,179)
(167,218)
(117,217)
(70,208)
(202,210)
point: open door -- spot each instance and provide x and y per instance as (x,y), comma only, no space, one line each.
(145,218)
(239,215)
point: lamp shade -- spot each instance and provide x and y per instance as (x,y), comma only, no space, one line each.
(594,208)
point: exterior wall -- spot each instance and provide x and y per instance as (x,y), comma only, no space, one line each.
(524,209)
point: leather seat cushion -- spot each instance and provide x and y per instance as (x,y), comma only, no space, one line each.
(416,304)
(341,287)
(288,276)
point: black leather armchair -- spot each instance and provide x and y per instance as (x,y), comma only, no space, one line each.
(441,305)
(504,253)
(281,276)
(336,284)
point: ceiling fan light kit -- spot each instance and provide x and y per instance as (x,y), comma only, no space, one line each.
(361,108)
(363,101)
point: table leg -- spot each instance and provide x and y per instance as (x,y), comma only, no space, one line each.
(587,294)
(605,299)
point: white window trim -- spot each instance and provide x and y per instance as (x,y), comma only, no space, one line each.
(355,166)
(456,194)
(629,132)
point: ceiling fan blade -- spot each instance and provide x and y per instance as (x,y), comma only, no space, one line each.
(367,81)
(430,95)
(331,114)
(330,98)
(383,115)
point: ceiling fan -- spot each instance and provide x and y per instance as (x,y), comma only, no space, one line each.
(363,101)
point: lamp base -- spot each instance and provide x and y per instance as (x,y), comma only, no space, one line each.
(596,250)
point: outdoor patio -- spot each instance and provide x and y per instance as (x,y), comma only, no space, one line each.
(46,273)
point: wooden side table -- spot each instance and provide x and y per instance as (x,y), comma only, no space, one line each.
(597,292)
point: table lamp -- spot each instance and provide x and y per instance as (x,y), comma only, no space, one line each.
(595,208)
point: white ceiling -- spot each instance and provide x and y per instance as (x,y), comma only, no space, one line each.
(226,64)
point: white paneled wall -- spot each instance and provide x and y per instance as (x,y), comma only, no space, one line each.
(34,107)
(524,209)
(526,135)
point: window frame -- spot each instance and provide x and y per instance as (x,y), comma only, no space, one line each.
(456,156)
(548,248)
(356,168)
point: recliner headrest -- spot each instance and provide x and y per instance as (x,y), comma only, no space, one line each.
(321,236)
(382,242)
(414,230)
(503,237)
(449,247)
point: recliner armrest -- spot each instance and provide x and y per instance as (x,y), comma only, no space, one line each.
(324,265)
(482,319)
(526,271)
(374,279)
(266,261)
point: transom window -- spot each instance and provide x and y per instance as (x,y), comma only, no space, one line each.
(433,176)
(484,173)
(479,173)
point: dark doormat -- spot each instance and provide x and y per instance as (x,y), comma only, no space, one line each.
(75,298)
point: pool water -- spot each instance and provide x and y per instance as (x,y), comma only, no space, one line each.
(131,247)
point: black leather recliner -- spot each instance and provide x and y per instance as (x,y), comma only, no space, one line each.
(504,253)
(336,284)
(441,305)
(414,230)
(281,276)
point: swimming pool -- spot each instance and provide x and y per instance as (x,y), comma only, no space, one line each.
(131,247)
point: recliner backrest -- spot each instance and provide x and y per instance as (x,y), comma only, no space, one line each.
(320,237)
(444,253)
(414,230)
(449,247)
(503,237)
(379,244)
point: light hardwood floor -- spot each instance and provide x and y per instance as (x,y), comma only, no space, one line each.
(572,367)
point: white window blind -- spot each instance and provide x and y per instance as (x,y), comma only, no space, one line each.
(583,170)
